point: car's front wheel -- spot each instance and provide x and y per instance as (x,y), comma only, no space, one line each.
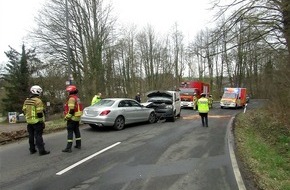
(119,123)
(178,115)
(152,118)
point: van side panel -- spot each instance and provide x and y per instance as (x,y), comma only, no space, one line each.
(234,97)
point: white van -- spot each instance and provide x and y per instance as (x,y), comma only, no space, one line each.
(167,104)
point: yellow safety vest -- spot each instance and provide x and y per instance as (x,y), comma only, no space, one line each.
(31,107)
(203,105)
(95,99)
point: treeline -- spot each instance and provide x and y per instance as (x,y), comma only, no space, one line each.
(247,48)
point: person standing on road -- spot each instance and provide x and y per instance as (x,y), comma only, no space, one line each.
(96,98)
(138,97)
(33,109)
(210,101)
(195,101)
(203,109)
(73,110)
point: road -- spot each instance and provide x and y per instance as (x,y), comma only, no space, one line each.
(165,155)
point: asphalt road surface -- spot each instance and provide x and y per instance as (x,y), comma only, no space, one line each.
(180,155)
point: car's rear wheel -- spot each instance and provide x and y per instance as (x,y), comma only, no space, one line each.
(119,123)
(152,117)
(93,126)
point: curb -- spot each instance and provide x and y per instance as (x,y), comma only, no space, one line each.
(230,138)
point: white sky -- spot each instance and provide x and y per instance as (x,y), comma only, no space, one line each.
(17,17)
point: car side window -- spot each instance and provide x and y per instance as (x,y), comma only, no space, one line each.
(134,104)
(121,104)
(126,103)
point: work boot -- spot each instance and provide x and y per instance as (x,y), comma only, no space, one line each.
(78,144)
(32,151)
(44,153)
(67,150)
(68,147)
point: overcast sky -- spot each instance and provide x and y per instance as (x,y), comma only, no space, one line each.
(17,17)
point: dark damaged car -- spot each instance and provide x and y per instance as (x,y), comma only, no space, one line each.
(167,104)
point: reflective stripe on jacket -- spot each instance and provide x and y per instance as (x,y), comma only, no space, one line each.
(203,105)
(31,107)
(75,104)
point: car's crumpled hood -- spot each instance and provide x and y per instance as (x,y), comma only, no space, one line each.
(159,99)
(158,93)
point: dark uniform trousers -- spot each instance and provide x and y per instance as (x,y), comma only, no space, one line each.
(73,128)
(35,132)
(204,119)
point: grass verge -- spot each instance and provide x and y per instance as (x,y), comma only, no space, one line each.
(50,126)
(262,145)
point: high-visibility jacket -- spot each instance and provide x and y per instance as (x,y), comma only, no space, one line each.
(195,99)
(31,107)
(95,99)
(210,101)
(203,105)
(73,103)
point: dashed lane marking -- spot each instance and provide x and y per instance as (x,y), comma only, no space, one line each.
(86,159)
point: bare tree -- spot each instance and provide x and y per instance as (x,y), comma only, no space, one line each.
(90,26)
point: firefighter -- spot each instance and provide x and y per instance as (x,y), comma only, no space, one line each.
(195,101)
(73,110)
(96,98)
(210,101)
(203,109)
(33,109)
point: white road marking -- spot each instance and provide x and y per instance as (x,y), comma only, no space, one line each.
(235,166)
(86,159)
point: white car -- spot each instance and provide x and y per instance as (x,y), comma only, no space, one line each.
(167,104)
(117,112)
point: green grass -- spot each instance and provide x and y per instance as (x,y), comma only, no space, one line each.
(54,125)
(263,146)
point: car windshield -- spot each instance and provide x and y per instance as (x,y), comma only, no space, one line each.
(104,103)
(187,91)
(229,95)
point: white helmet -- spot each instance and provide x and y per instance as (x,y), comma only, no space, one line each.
(36,89)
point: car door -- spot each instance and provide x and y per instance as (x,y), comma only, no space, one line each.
(129,112)
(139,112)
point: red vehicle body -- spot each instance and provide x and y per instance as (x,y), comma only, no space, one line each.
(234,98)
(188,89)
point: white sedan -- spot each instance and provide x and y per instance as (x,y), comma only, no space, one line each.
(117,112)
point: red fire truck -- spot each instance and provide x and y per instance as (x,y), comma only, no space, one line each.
(188,89)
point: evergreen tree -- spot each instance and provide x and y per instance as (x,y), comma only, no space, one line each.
(16,79)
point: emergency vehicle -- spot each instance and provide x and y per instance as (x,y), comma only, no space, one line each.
(233,98)
(188,89)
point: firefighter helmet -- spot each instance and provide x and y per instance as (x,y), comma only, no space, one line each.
(202,94)
(71,89)
(36,90)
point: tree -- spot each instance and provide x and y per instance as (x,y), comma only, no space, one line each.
(270,19)
(90,32)
(17,79)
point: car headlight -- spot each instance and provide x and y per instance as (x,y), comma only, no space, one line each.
(168,106)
